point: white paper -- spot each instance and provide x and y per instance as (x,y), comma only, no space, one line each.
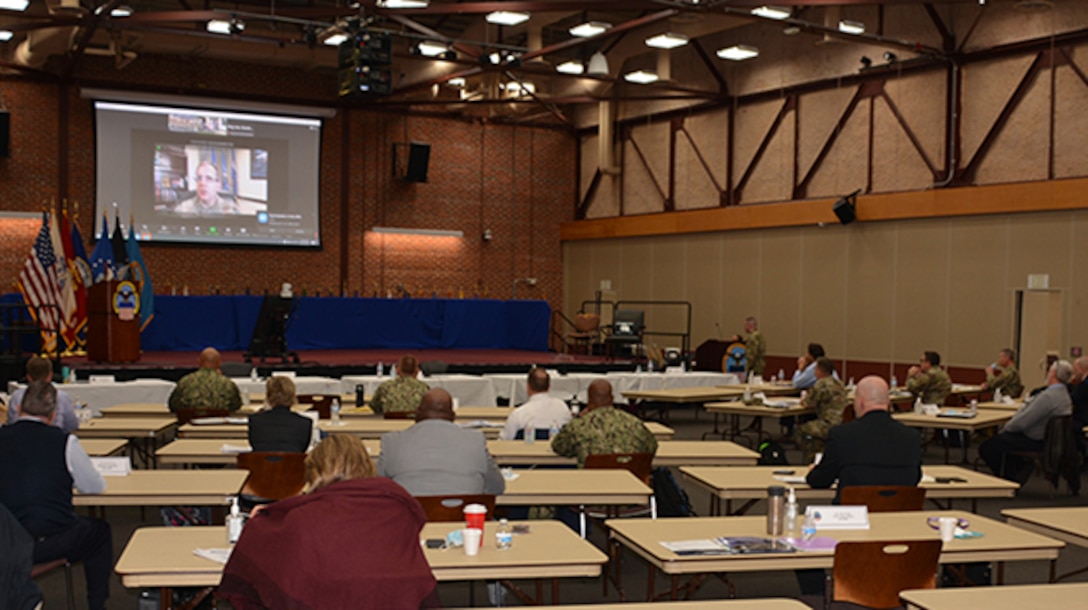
(480,423)
(509,474)
(101,379)
(694,546)
(786,478)
(839,517)
(216,555)
(290,374)
(228,448)
(112,466)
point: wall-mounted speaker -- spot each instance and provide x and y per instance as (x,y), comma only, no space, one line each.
(844,210)
(5,134)
(419,156)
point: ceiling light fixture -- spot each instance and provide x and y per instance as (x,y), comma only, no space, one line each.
(851,27)
(772,12)
(122,11)
(507,17)
(429,48)
(641,77)
(14,5)
(668,40)
(738,52)
(336,39)
(457,81)
(403,3)
(598,64)
(589,28)
(5,35)
(219,26)
(571,67)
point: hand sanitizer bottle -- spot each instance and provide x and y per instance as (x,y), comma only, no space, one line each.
(235,521)
(791,514)
(781,375)
(334,412)
(808,527)
(895,382)
(747,394)
(997,395)
(253,374)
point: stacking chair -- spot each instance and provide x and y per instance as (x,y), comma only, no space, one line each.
(41,569)
(638,464)
(873,573)
(587,331)
(884,498)
(273,475)
(449,508)
(1059,457)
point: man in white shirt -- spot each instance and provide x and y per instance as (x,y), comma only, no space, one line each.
(540,412)
(40,369)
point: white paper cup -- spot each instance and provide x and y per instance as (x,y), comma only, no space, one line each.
(948,528)
(456,404)
(472,538)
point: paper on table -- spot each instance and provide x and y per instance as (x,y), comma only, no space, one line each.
(785,478)
(228,448)
(216,555)
(112,466)
(782,403)
(708,545)
(509,474)
(927,479)
(817,543)
(480,423)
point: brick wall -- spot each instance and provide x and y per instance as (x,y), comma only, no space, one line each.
(516,181)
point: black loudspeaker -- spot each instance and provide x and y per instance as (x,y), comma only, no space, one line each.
(5,134)
(844,210)
(419,155)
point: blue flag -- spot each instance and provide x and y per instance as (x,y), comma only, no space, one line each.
(138,273)
(102,256)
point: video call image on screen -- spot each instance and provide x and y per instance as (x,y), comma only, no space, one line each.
(209,176)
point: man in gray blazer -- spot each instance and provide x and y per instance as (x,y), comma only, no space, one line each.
(436,456)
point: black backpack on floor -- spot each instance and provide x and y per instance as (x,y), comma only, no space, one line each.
(772,454)
(672,500)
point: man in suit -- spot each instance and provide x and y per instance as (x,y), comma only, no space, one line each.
(280,429)
(874,449)
(436,456)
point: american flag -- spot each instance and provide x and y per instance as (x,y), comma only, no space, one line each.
(39,285)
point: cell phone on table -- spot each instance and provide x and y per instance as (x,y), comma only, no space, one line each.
(784,472)
(435,543)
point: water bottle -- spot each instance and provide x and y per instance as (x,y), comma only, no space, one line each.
(776,510)
(808,527)
(381,369)
(553,431)
(781,375)
(504,537)
(791,513)
(334,412)
(253,374)
(918,406)
(650,366)
(638,368)
(530,434)
(974,406)
(997,395)
(895,382)
(747,394)
(235,521)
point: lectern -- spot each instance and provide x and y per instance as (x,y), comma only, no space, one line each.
(113,322)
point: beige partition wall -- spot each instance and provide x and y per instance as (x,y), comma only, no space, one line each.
(873,291)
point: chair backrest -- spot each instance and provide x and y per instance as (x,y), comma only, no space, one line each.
(540,434)
(884,498)
(587,322)
(236,369)
(322,403)
(873,573)
(187,415)
(1059,445)
(273,475)
(450,508)
(628,323)
(638,464)
(399,414)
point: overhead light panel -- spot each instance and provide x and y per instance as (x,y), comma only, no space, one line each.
(772,12)
(668,40)
(738,52)
(851,27)
(429,48)
(120,12)
(641,77)
(571,67)
(5,35)
(215,26)
(14,5)
(589,28)
(336,39)
(403,3)
(507,17)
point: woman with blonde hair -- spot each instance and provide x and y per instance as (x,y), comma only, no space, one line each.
(279,428)
(351,541)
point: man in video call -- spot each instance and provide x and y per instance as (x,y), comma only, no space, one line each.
(207,200)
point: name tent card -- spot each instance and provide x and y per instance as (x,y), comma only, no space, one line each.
(839,517)
(112,466)
(96,379)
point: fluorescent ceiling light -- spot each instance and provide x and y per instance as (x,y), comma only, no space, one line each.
(403,3)
(336,40)
(570,67)
(5,35)
(641,77)
(216,26)
(507,17)
(738,52)
(430,232)
(772,12)
(668,40)
(851,27)
(430,48)
(589,28)
(457,81)
(14,5)
(122,11)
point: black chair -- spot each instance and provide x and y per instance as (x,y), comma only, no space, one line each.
(1059,457)
(541,434)
(625,331)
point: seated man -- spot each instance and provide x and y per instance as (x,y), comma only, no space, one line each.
(280,428)
(601,428)
(206,388)
(40,369)
(1003,376)
(928,381)
(436,456)
(828,399)
(1079,393)
(39,464)
(805,375)
(402,393)
(540,412)
(1026,429)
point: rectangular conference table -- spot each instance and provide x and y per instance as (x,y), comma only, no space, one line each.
(750,484)
(167,488)
(142,433)
(665,399)
(1069,524)
(162,557)
(1070,596)
(736,409)
(1000,543)
(99,395)
(986,418)
(103,447)
(186,451)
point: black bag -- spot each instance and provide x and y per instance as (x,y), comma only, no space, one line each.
(772,454)
(672,500)
(975,574)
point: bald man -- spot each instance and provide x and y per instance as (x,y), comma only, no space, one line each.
(207,387)
(602,428)
(436,456)
(874,449)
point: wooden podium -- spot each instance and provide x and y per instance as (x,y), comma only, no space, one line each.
(110,338)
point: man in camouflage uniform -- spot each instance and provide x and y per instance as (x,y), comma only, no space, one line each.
(828,399)
(601,428)
(1004,376)
(928,380)
(206,388)
(402,393)
(755,346)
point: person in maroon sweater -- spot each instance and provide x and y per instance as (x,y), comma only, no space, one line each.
(351,541)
